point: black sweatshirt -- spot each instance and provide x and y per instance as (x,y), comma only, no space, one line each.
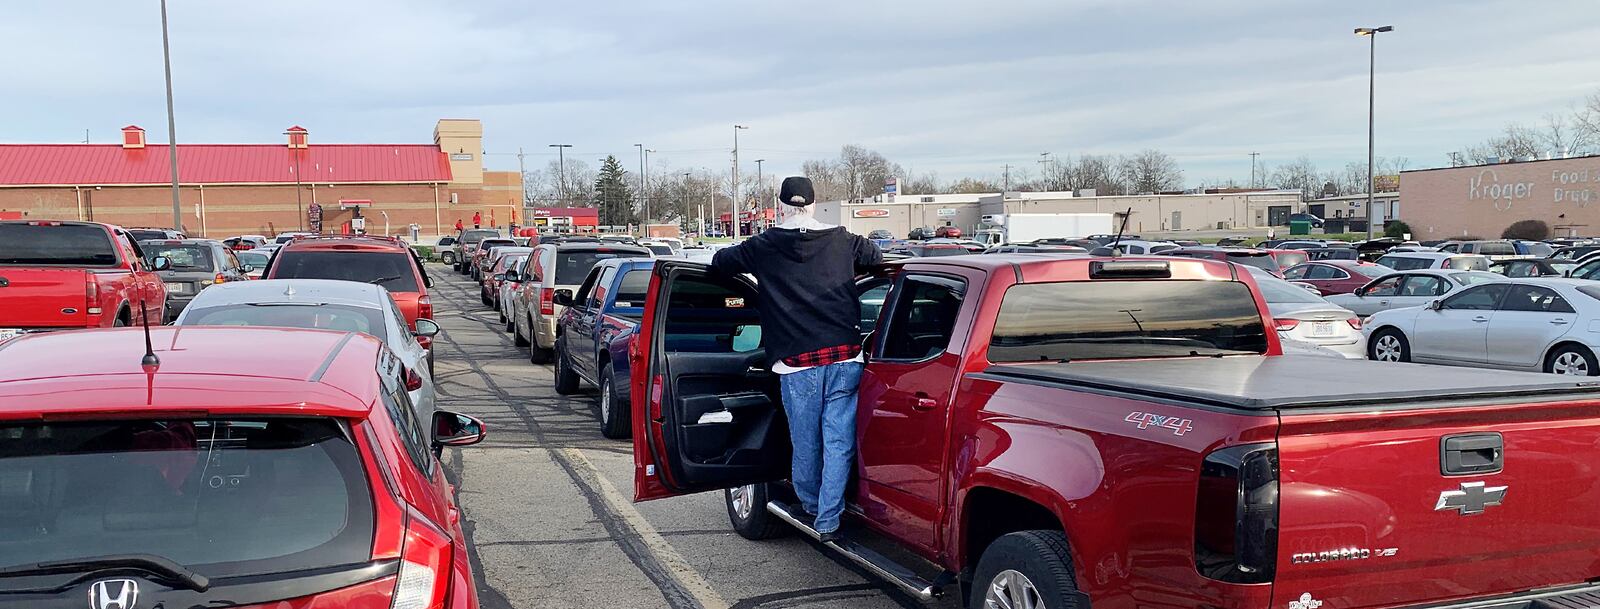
(805,283)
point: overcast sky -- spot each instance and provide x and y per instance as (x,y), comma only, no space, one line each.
(952,86)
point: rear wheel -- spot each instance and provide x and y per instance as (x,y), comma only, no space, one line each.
(1389,345)
(747,511)
(1573,360)
(616,420)
(1026,569)
(449,258)
(566,379)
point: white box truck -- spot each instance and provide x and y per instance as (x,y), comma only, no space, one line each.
(1022,228)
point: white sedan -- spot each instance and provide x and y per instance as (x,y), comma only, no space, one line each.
(323,304)
(1409,289)
(1551,325)
(1307,322)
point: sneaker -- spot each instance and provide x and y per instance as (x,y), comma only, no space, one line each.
(834,536)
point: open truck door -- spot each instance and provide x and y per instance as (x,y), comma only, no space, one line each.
(706,410)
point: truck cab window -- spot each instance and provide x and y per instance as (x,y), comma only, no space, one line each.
(922,318)
(709,316)
(874,292)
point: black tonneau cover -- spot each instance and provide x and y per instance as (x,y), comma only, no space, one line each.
(1269,383)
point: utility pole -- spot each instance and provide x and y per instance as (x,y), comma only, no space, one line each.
(686,197)
(172,123)
(1372,67)
(642,225)
(1007,185)
(522,178)
(761,199)
(1253,156)
(647,152)
(734,219)
(298,206)
(561,166)
(1044,168)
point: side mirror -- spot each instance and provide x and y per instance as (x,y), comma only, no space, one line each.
(1435,305)
(426,327)
(248,268)
(161,263)
(428,282)
(500,276)
(512,276)
(563,298)
(455,429)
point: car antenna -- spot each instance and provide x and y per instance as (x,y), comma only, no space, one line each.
(150,361)
(1117,241)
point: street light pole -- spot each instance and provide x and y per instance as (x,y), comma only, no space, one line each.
(734,219)
(1372,67)
(647,152)
(686,201)
(761,199)
(561,166)
(641,181)
(172,123)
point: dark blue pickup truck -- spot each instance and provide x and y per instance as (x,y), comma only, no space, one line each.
(593,334)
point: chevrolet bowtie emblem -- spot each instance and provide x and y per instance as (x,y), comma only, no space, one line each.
(1472,498)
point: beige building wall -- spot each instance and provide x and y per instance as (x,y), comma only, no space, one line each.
(1482,200)
(461,139)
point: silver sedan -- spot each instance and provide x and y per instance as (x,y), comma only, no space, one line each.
(1409,289)
(1304,319)
(1551,325)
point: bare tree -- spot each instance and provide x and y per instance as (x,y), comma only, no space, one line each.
(1516,142)
(1097,172)
(1586,119)
(975,186)
(921,184)
(1299,175)
(1152,171)
(1565,135)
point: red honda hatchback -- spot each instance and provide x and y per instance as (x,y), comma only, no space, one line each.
(299,478)
(383,261)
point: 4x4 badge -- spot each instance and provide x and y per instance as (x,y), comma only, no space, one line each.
(1472,498)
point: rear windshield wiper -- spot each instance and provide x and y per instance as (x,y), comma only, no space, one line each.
(163,568)
(383,279)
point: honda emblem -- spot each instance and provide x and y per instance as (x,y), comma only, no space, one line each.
(114,594)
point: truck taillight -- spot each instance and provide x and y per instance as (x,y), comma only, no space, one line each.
(424,566)
(1236,514)
(91,297)
(547,301)
(424,308)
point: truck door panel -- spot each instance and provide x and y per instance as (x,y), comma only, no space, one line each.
(706,409)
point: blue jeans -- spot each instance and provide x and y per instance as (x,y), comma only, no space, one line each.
(821,405)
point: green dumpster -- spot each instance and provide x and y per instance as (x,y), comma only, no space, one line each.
(1299,227)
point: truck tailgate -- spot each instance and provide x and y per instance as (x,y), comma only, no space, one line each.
(1403,507)
(42,297)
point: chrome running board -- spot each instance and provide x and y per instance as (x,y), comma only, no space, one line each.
(878,564)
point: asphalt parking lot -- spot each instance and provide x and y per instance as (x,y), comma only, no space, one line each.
(547,500)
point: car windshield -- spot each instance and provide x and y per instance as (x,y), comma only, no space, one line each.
(146,234)
(1260,261)
(392,270)
(573,266)
(1126,319)
(929,252)
(223,496)
(1405,263)
(255,259)
(1468,263)
(1475,277)
(56,244)
(474,235)
(344,318)
(1368,271)
(1288,259)
(181,257)
(660,250)
(1277,291)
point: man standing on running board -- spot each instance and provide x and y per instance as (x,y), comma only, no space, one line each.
(810,326)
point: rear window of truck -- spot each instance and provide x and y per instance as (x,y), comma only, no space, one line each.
(573,265)
(60,244)
(1126,319)
(473,236)
(223,496)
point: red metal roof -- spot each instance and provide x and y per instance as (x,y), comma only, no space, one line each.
(104,164)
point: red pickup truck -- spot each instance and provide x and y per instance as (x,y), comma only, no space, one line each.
(1121,433)
(65,275)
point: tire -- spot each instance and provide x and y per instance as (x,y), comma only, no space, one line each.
(1572,359)
(119,322)
(430,363)
(1037,564)
(1389,345)
(616,414)
(517,337)
(484,296)
(747,512)
(448,258)
(566,380)
(537,354)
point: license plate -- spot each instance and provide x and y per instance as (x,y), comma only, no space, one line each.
(177,287)
(1322,328)
(9,333)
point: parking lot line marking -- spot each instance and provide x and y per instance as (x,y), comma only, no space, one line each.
(680,569)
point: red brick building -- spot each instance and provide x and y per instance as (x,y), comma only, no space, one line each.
(231,189)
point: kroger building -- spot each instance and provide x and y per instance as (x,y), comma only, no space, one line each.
(1482,200)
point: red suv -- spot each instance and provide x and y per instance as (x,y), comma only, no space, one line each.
(306,481)
(386,262)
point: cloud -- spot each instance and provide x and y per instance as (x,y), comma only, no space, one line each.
(956,87)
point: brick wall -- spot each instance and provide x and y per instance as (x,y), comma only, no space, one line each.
(1483,200)
(233,210)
